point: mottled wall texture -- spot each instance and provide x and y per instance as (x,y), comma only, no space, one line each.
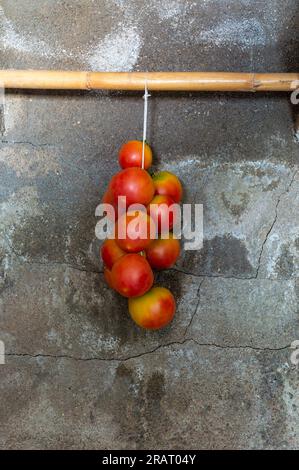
(78,372)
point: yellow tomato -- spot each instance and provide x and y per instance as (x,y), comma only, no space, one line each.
(153,310)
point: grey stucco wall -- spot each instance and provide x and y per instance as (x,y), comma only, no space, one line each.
(79,373)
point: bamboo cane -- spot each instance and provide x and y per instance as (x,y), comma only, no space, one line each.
(160,81)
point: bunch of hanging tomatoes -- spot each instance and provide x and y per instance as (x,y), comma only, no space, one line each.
(129,260)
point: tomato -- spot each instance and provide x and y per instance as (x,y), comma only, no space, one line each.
(153,310)
(134,183)
(108,199)
(134,231)
(130,155)
(132,275)
(163,253)
(168,184)
(110,252)
(159,210)
(108,277)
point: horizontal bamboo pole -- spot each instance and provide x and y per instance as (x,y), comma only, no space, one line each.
(162,81)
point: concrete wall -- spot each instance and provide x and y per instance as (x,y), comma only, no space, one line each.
(78,373)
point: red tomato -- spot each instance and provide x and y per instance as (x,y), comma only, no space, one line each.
(167,184)
(138,230)
(132,275)
(163,253)
(110,252)
(108,277)
(158,209)
(153,310)
(134,183)
(108,199)
(130,155)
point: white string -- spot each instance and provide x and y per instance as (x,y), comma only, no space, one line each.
(145,97)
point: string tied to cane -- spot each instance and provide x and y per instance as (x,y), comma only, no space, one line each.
(145,97)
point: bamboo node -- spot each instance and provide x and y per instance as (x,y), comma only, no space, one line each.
(255,83)
(88,81)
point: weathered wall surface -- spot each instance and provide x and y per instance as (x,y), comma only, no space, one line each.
(78,373)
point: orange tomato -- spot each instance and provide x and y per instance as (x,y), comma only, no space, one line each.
(138,229)
(130,155)
(163,253)
(168,184)
(134,183)
(159,210)
(110,252)
(153,310)
(132,275)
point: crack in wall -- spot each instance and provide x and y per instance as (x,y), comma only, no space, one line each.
(196,308)
(26,142)
(67,164)
(146,353)
(211,276)
(67,265)
(22,261)
(274,222)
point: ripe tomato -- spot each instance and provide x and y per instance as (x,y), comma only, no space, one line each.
(163,253)
(159,210)
(134,183)
(108,199)
(110,252)
(108,277)
(134,231)
(168,184)
(132,275)
(130,155)
(153,310)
